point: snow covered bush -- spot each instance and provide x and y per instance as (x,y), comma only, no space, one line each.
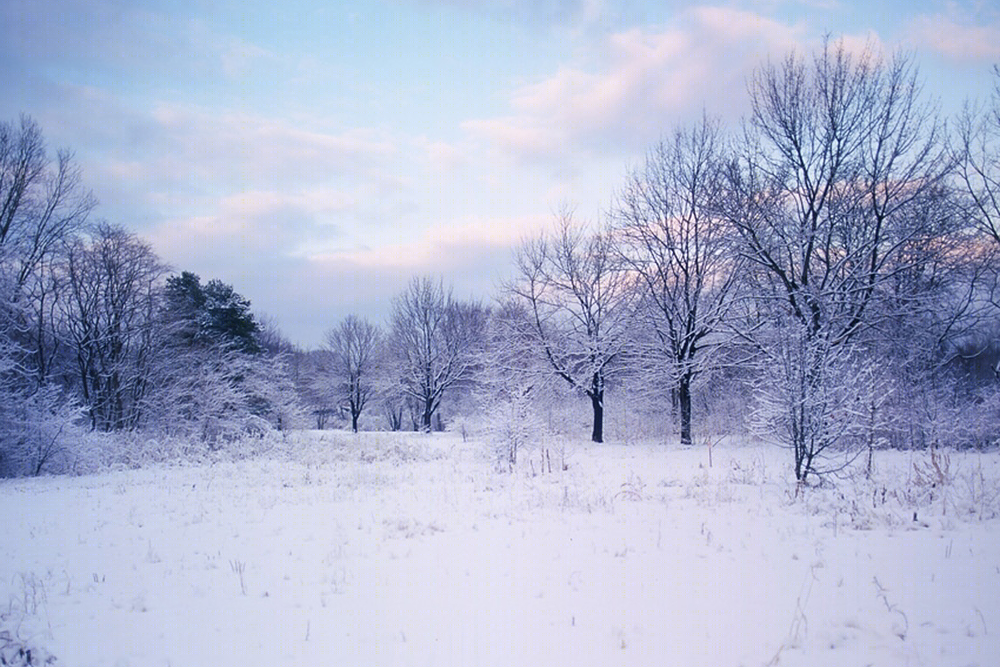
(512,425)
(39,432)
(20,623)
(807,396)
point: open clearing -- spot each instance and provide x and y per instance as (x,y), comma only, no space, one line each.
(405,549)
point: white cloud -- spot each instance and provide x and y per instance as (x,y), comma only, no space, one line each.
(644,81)
(265,223)
(260,151)
(958,37)
(309,293)
(443,156)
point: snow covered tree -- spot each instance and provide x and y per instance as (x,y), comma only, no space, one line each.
(511,383)
(42,207)
(673,238)
(838,151)
(977,153)
(110,314)
(352,348)
(213,314)
(434,341)
(579,298)
(217,382)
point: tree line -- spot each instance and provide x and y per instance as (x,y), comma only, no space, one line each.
(829,267)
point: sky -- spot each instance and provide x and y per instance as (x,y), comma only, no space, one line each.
(319,155)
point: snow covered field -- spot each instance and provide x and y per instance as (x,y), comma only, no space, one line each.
(405,549)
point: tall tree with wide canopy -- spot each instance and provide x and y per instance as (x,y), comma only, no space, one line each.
(674,239)
(840,152)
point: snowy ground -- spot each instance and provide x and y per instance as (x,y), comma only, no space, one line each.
(414,550)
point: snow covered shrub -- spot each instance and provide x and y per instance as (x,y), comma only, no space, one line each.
(221,397)
(933,470)
(980,420)
(512,425)
(38,432)
(910,489)
(20,624)
(812,397)
(980,494)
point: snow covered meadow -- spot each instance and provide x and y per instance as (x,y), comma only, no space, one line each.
(411,549)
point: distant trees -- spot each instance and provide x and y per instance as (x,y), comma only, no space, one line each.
(578,297)
(434,341)
(92,332)
(352,348)
(838,256)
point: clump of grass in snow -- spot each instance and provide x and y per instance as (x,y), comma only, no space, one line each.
(18,624)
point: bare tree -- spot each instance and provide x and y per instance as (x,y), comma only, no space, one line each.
(838,152)
(110,313)
(270,338)
(673,239)
(579,298)
(40,205)
(977,154)
(352,346)
(435,340)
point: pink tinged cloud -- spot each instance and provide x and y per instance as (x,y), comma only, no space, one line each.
(441,247)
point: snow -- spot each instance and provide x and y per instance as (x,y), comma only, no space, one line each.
(407,549)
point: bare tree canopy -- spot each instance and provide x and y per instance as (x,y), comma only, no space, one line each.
(840,155)
(977,153)
(41,205)
(110,314)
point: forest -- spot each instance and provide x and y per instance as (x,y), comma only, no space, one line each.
(823,276)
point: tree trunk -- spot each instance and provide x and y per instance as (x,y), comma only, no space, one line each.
(354,421)
(684,405)
(597,401)
(425,421)
(674,408)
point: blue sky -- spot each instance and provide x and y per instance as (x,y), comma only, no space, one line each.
(319,155)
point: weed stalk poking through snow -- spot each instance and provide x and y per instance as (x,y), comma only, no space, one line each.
(238,567)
